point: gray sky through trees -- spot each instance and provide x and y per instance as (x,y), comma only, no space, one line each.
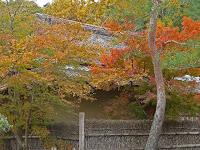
(42,2)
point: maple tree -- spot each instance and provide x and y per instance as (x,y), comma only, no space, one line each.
(131,64)
(34,74)
(34,78)
(19,103)
(173,46)
(35,61)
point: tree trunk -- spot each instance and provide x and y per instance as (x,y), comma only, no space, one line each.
(152,142)
(18,136)
(27,130)
(28,122)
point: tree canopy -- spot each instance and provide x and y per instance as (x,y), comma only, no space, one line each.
(41,63)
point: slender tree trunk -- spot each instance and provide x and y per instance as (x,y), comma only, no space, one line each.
(27,130)
(18,136)
(28,122)
(152,142)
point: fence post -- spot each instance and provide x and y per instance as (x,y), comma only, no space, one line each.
(81,130)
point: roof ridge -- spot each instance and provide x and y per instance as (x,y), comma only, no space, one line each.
(89,27)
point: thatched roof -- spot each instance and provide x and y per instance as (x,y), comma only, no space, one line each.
(101,35)
(93,28)
(188,78)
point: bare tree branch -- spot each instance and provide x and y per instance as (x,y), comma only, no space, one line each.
(2,78)
(170,41)
(184,67)
(13,15)
(175,42)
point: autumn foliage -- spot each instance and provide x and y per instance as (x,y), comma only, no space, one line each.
(34,75)
(132,66)
(42,64)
